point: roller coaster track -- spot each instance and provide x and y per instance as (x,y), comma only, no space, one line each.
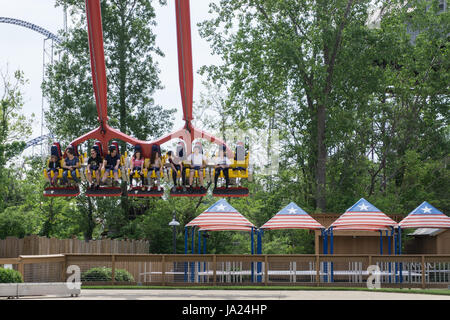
(31,26)
(38,141)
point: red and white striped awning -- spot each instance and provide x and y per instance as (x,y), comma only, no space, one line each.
(363,216)
(292,217)
(425,216)
(221,216)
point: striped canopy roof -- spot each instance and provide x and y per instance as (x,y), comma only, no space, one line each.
(292,217)
(425,216)
(221,216)
(363,216)
(225,228)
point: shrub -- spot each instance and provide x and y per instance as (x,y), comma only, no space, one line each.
(10,276)
(105,274)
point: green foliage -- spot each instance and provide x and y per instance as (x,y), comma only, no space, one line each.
(289,63)
(105,274)
(10,276)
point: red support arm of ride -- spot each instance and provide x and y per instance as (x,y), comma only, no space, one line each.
(105,133)
(95,33)
(184,46)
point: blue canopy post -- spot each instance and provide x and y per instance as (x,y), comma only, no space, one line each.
(186,236)
(396,253)
(204,252)
(381,242)
(390,251)
(199,250)
(331,252)
(259,251)
(253,252)
(193,252)
(400,252)
(325,251)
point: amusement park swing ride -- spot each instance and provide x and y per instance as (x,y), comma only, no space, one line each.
(104,133)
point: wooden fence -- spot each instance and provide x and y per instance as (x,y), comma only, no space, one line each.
(12,247)
(401,271)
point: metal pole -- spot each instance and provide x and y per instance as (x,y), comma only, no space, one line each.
(174,240)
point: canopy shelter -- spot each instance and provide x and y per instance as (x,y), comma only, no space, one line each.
(362,216)
(425,216)
(290,217)
(221,216)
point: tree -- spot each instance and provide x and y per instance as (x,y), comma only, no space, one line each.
(14,127)
(316,71)
(283,60)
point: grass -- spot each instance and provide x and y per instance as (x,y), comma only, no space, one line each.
(391,290)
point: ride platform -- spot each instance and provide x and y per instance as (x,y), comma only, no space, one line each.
(61,191)
(104,192)
(233,192)
(137,192)
(190,192)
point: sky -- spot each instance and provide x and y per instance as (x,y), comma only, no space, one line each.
(21,48)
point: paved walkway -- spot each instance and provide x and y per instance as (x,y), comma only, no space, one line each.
(182,294)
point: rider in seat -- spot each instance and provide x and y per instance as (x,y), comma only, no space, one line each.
(111,162)
(94,165)
(222,163)
(71,163)
(137,164)
(198,161)
(53,166)
(240,156)
(175,161)
(155,166)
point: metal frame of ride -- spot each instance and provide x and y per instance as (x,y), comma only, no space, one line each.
(188,133)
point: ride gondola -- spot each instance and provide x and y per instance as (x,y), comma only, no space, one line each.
(144,189)
(108,187)
(237,171)
(65,184)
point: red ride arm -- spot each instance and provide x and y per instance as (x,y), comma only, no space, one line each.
(95,33)
(185,58)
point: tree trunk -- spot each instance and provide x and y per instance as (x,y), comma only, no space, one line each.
(321,159)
